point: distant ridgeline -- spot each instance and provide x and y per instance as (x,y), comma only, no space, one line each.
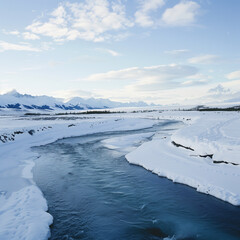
(16,101)
(203,108)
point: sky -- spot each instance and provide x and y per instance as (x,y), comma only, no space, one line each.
(157,51)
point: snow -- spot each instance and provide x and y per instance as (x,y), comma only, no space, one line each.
(23,209)
(24,102)
(125,143)
(22,206)
(160,157)
(103,103)
(217,134)
(206,133)
(24,216)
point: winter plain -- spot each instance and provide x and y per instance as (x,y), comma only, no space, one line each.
(119,120)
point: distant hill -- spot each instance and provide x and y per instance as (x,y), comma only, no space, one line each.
(16,101)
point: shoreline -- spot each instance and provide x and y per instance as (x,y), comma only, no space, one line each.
(22,202)
(202,154)
(17,169)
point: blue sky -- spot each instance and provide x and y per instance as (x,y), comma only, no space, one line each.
(162,51)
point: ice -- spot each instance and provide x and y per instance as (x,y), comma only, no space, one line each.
(126,141)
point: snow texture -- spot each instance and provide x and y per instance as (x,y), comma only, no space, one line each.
(205,155)
(23,209)
(24,102)
(125,143)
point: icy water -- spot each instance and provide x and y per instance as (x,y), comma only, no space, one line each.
(94,193)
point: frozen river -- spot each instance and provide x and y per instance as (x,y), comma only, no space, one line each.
(94,193)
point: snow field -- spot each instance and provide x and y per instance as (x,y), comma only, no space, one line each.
(23,209)
(213,133)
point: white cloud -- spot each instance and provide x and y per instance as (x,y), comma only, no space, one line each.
(142,16)
(204,59)
(103,20)
(198,76)
(196,80)
(177,52)
(182,14)
(91,20)
(30,36)
(5,46)
(233,75)
(55,26)
(113,53)
(234,85)
(70,93)
(46,46)
(14,32)
(148,78)
(109,51)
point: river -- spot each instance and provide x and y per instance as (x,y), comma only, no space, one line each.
(94,193)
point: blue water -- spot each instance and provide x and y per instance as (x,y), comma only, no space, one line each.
(94,193)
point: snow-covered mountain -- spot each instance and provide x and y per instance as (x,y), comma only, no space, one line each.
(103,103)
(16,101)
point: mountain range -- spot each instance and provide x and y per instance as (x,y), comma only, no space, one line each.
(16,101)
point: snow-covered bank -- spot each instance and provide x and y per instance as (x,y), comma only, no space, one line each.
(22,206)
(204,154)
(126,143)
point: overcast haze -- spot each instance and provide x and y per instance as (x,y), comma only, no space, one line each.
(161,51)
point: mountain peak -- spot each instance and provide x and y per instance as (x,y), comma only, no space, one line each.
(12,92)
(15,93)
(16,100)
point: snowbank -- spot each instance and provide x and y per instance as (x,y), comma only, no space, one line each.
(125,143)
(217,134)
(23,209)
(204,154)
(24,216)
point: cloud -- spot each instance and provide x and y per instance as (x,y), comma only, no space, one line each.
(25,35)
(182,14)
(6,46)
(233,75)
(14,32)
(234,98)
(177,52)
(142,16)
(30,36)
(194,82)
(204,59)
(113,53)
(104,20)
(70,93)
(109,51)
(89,20)
(54,27)
(148,78)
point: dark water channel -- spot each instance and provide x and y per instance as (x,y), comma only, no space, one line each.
(94,193)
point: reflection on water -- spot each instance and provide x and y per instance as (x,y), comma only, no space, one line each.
(93,193)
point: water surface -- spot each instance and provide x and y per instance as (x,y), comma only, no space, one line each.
(94,193)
